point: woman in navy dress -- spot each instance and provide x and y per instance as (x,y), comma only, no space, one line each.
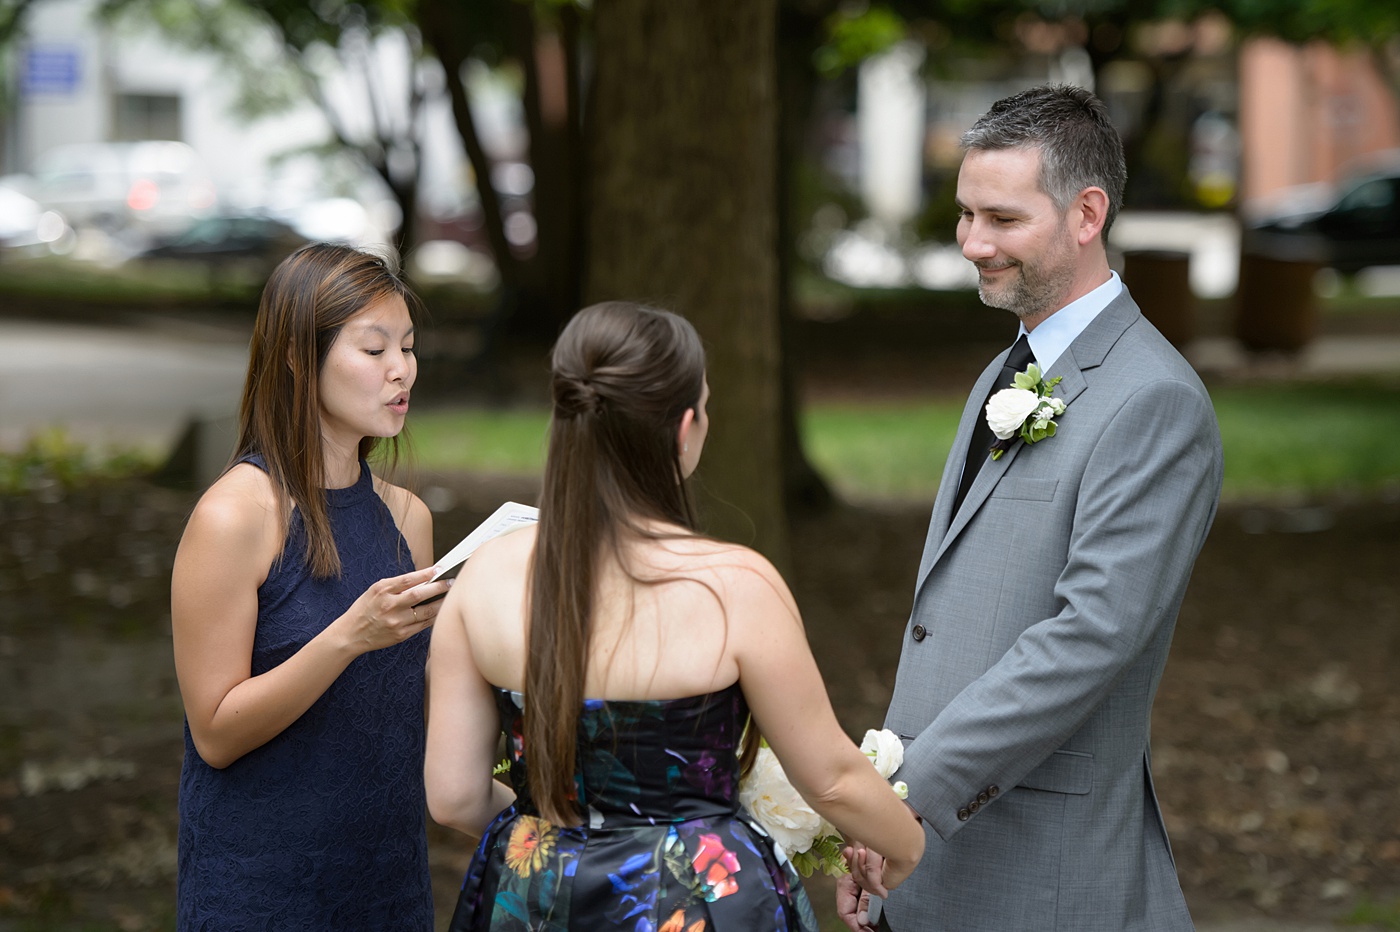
(623,655)
(299,641)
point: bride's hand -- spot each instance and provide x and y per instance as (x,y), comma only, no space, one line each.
(868,869)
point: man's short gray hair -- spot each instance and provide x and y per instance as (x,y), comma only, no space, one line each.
(1079,148)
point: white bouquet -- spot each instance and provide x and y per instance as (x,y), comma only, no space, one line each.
(810,841)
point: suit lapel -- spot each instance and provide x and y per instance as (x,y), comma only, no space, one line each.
(1088,351)
(952,469)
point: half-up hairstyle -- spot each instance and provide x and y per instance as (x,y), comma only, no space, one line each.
(623,377)
(306,302)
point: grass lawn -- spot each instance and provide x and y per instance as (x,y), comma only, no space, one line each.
(1281,441)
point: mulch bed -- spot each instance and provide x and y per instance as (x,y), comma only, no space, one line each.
(1276,729)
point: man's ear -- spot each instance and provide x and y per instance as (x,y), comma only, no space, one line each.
(1092,205)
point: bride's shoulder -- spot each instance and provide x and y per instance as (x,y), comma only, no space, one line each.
(503,557)
(745,575)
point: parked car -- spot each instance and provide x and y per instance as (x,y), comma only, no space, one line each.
(136,191)
(1350,228)
(25,224)
(227,241)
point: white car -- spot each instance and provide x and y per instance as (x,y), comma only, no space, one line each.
(137,191)
(24,223)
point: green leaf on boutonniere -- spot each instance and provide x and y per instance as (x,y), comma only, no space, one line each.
(1029,379)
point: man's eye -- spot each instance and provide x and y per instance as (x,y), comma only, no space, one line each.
(408,349)
(375,352)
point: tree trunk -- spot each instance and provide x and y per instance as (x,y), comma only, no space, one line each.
(682,213)
(553,276)
(446,29)
(804,489)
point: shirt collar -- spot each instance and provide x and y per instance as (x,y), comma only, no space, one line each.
(1053,335)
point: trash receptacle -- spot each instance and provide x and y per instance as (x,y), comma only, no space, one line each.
(1275,305)
(1160,283)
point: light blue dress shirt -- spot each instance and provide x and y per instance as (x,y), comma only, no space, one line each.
(1053,335)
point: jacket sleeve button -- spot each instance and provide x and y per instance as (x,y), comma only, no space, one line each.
(964,815)
(919,632)
(983,796)
(973,806)
(992,791)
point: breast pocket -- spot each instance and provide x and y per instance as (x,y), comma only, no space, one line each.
(1026,489)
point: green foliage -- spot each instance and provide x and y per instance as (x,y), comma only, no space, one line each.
(1375,915)
(855,35)
(825,854)
(51,458)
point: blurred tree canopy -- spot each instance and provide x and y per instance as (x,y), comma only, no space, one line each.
(595,202)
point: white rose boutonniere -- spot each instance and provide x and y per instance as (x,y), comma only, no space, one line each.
(1025,410)
(811,842)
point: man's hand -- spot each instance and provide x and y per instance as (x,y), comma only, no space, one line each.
(853,905)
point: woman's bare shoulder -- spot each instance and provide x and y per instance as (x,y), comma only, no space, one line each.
(244,495)
(237,518)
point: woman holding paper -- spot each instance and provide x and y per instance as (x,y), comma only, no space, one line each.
(298,634)
(622,653)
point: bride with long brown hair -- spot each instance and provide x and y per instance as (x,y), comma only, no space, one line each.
(632,663)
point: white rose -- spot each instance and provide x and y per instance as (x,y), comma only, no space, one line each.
(780,809)
(1008,409)
(884,749)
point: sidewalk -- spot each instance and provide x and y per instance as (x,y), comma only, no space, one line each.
(1327,356)
(124,386)
(115,386)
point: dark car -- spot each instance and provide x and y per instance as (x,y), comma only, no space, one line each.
(228,241)
(1349,231)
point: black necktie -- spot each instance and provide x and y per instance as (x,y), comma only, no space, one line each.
(979,451)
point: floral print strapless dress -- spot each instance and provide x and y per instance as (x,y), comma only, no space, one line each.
(666,847)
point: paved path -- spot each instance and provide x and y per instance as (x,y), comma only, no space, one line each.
(115,386)
(139,384)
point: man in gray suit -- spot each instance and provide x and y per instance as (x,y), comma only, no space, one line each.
(1052,574)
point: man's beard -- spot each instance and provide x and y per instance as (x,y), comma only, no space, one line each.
(1036,290)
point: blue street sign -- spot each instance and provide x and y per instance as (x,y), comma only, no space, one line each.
(51,69)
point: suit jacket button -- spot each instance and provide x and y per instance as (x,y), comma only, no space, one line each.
(992,791)
(983,796)
(964,815)
(919,632)
(973,806)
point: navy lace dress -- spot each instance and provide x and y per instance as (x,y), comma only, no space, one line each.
(666,847)
(324,826)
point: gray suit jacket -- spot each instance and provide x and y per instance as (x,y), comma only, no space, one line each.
(1042,617)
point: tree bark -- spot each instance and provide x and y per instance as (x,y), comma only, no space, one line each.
(804,489)
(553,275)
(446,29)
(682,214)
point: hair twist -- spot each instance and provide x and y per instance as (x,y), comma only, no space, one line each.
(576,396)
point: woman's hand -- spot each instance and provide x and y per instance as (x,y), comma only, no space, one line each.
(232,538)
(393,610)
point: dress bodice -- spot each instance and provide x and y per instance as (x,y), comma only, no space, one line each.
(663,844)
(667,760)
